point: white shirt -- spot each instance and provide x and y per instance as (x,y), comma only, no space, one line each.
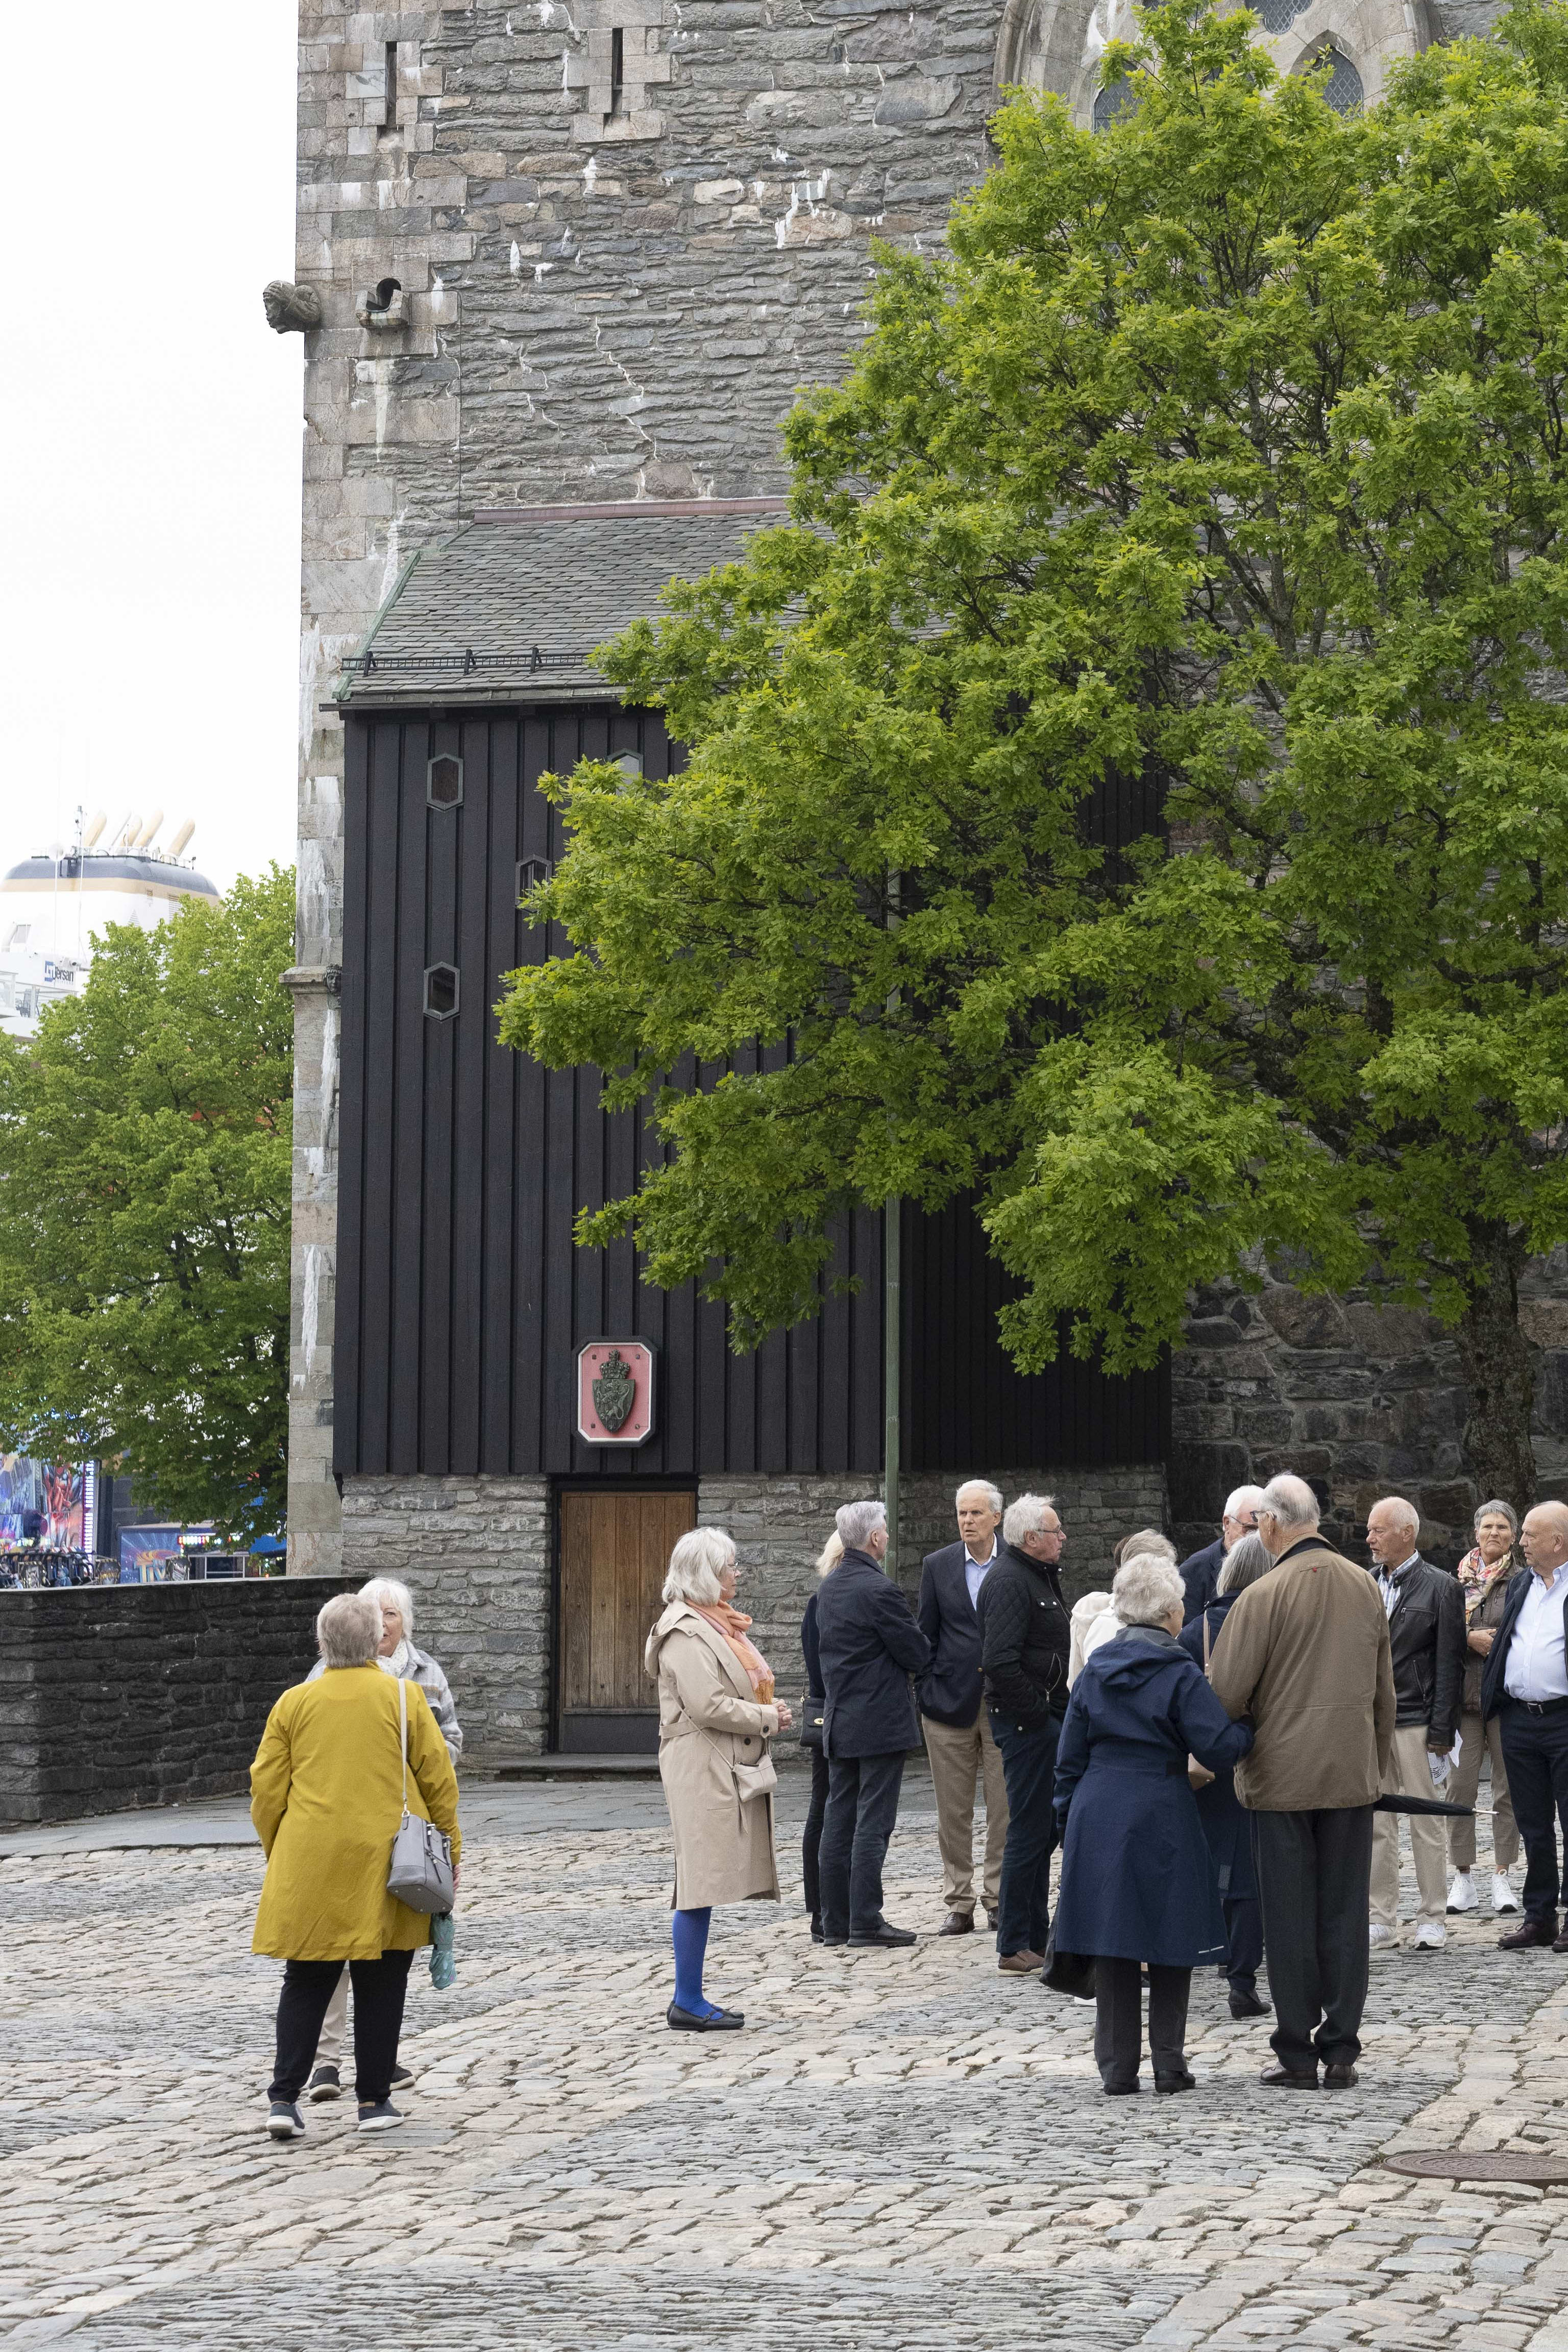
(975,1572)
(1535,1666)
(1388,1583)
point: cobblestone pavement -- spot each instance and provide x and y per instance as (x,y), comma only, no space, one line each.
(902,2150)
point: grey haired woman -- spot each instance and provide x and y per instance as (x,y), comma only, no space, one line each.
(395,1656)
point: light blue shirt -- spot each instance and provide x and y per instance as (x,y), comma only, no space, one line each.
(1535,1668)
(975,1572)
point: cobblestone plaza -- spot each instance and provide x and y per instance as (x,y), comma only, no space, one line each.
(902,2149)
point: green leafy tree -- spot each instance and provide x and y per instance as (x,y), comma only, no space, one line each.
(1219,465)
(144,1182)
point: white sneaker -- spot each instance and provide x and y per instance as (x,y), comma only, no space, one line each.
(1380,1938)
(1503,1896)
(1430,1935)
(1462,1895)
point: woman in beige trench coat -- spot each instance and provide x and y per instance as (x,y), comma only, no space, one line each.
(716,1714)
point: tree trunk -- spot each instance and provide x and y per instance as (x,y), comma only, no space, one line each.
(1501,1374)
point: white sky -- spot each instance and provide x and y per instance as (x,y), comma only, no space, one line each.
(150,421)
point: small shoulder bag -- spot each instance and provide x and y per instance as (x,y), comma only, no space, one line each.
(421,1872)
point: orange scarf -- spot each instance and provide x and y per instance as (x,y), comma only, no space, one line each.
(731,1624)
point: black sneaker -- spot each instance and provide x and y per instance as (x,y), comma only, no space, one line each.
(324,2084)
(284,2120)
(402,2080)
(383,2116)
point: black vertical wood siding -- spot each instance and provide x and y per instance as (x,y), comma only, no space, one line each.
(461,1296)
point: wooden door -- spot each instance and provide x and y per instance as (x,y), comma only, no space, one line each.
(614,1550)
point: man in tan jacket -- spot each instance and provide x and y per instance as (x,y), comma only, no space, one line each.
(1305,1654)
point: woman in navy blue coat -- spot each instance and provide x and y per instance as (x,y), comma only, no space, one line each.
(1227,1827)
(1136,1884)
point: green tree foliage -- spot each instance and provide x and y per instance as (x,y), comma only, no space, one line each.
(144,1181)
(1221,458)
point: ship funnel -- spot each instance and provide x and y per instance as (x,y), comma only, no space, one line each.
(144,838)
(95,824)
(183,835)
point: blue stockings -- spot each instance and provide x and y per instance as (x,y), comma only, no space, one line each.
(689,1932)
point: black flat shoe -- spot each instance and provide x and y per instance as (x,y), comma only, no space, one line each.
(1339,2077)
(816,1934)
(1246,2004)
(1166,2084)
(889,1938)
(1119,2090)
(1288,2078)
(723,2020)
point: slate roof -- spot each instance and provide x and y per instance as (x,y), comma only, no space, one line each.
(516,601)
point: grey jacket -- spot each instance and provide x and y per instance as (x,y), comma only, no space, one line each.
(437,1689)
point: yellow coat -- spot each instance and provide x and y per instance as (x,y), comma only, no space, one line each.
(326,1797)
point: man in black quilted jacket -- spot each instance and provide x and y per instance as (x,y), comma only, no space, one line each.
(1025,1636)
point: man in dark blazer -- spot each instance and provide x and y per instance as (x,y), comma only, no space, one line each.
(957,1730)
(1426,1613)
(1525,1684)
(1200,1571)
(868,1646)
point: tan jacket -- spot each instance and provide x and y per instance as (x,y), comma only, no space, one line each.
(709,1721)
(1304,1652)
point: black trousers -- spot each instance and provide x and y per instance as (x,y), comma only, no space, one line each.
(1029,1762)
(862,1806)
(1119,2019)
(1535,1757)
(811,1837)
(1244,1941)
(1314,1885)
(307,1986)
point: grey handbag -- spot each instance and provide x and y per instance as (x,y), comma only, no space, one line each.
(421,1872)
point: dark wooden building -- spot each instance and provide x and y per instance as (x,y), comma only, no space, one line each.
(462,1299)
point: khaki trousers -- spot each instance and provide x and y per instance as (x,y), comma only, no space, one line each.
(1466,1780)
(1408,1775)
(957,1758)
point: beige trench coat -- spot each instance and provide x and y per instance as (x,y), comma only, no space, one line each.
(709,1721)
(1305,1653)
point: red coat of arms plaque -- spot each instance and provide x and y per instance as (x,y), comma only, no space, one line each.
(615,1391)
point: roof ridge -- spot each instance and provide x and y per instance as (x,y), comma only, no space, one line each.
(633,509)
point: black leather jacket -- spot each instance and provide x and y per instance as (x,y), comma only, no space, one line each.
(1426,1636)
(1026,1638)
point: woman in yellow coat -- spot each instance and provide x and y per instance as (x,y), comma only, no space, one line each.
(326,1797)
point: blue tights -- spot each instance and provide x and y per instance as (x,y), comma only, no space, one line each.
(689,1932)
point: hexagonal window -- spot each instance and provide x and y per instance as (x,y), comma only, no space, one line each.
(531,872)
(441,991)
(629,763)
(444,781)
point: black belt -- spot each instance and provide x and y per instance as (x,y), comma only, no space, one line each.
(1536,1705)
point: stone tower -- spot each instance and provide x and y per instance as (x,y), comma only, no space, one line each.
(585,250)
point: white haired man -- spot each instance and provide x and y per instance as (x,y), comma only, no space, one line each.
(868,1646)
(1425,1610)
(1026,1639)
(1200,1571)
(953,1717)
(1526,1686)
(1305,1654)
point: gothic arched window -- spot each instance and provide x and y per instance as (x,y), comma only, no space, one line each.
(1342,84)
(1113,100)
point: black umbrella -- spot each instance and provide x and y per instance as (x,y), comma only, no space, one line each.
(1418,1805)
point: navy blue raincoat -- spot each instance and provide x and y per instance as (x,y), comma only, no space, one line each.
(1228,1825)
(1136,1883)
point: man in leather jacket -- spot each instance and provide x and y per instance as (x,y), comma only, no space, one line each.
(1426,1636)
(1025,1636)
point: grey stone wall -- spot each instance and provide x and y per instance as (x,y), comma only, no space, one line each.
(114,1695)
(1363,1401)
(476,1554)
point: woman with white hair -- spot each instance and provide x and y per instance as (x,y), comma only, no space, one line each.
(717,1713)
(1135,1885)
(331,1778)
(395,1655)
(1094,1619)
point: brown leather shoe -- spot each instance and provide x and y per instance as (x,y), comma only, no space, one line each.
(1021,1964)
(1562,1943)
(1340,2076)
(1533,1932)
(957,1923)
(1286,2078)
